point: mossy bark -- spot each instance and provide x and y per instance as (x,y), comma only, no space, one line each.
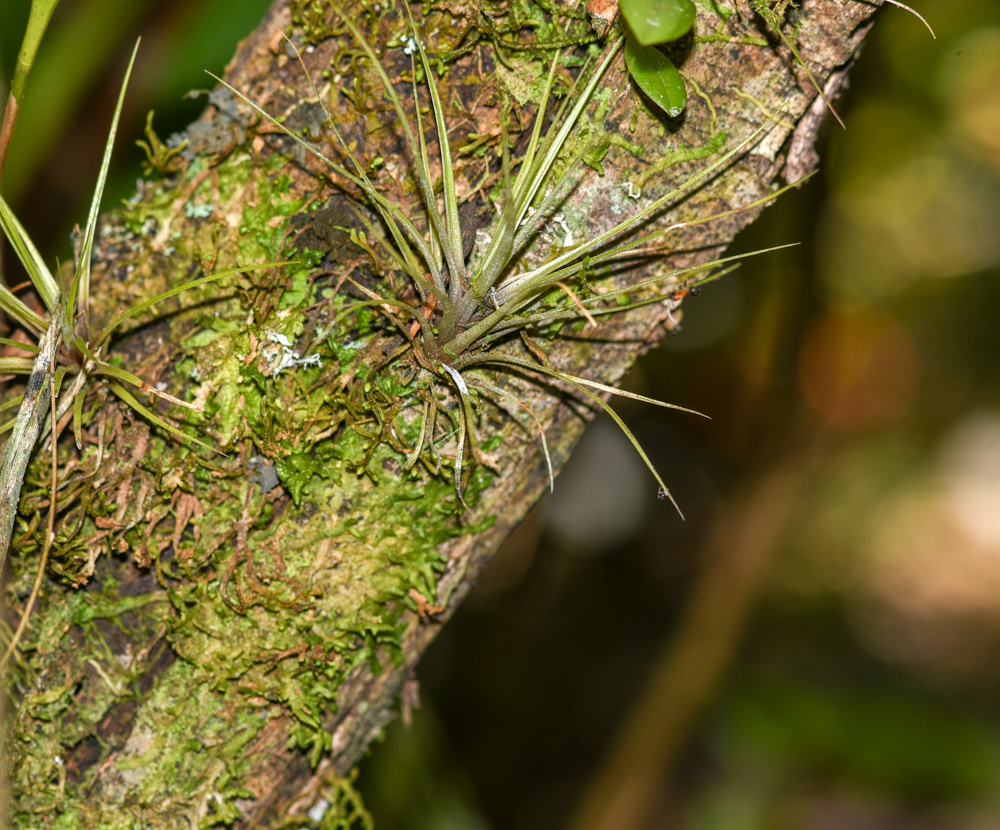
(221,636)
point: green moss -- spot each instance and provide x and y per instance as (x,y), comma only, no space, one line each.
(271,614)
(254,603)
(683,154)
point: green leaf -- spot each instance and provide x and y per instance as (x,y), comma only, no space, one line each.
(126,396)
(657,21)
(80,286)
(17,344)
(656,76)
(138,308)
(294,472)
(38,273)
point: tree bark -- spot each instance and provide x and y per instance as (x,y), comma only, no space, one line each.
(216,645)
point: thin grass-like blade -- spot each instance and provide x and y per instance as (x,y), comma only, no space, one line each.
(139,383)
(383,204)
(569,379)
(385,303)
(126,396)
(555,196)
(103,368)
(554,147)
(611,390)
(78,418)
(915,13)
(463,417)
(17,344)
(634,247)
(626,431)
(424,164)
(138,308)
(15,307)
(544,318)
(12,403)
(452,241)
(16,365)
(496,390)
(423,175)
(432,265)
(403,256)
(536,130)
(534,172)
(80,288)
(530,281)
(413,457)
(38,272)
(498,256)
(459,454)
(617,292)
(498,319)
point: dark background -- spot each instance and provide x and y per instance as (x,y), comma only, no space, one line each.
(817,645)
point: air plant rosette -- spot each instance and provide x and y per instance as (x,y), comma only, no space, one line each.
(465,320)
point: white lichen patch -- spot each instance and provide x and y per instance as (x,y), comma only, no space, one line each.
(284,356)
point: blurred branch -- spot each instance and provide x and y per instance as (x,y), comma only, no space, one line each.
(624,792)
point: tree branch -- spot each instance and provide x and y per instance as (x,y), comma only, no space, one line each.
(242,638)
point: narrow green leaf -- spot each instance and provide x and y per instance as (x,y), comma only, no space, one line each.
(423,174)
(451,240)
(611,390)
(81,280)
(122,393)
(138,308)
(78,418)
(385,207)
(38,272)
(17,344)
(496,390)
(657,21)
(530,179)
(575,383)
(12,305)
(16,365)
(656,76)
(12,403)
(120,374)
(521,289)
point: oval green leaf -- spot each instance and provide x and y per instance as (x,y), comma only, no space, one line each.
(656,76)
(657,21)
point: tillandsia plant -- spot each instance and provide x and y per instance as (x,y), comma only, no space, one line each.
(467,314)
(69,350)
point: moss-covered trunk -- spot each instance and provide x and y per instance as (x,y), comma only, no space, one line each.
(220,636)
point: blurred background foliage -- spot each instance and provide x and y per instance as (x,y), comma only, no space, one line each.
(817,645)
